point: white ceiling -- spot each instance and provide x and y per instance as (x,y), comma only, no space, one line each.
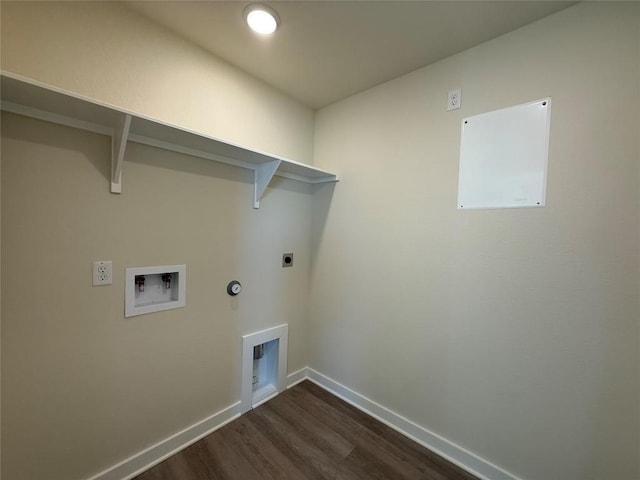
(325,51)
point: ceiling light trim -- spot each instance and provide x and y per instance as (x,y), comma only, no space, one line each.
(261,18)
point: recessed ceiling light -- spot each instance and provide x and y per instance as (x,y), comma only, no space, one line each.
(261,18)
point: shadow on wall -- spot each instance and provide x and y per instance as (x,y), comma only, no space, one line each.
(167,160)
(322,196)
(61,138)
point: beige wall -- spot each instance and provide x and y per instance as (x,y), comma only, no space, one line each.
(83,387)
(0,309)
(107,52)
(513,333)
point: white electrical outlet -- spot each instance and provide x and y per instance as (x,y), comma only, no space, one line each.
(102,273)
(454,99)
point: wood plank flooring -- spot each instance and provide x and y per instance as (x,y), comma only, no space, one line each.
(305,433)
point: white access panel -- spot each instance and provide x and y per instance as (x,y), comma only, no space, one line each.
(503,157)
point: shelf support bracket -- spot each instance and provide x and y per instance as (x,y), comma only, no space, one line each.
(262,176)
(118,146)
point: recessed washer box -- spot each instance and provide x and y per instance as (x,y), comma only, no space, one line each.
(153,289)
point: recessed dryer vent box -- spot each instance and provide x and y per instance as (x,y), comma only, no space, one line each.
(153,289)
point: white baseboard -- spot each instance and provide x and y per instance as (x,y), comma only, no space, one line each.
(296,377)
(162,450)
(138,463)
(434,442)
(144,460)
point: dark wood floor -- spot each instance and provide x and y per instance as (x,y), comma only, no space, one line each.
(305,433)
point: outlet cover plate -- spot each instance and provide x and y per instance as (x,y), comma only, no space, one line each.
(454,99)
(102,273)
